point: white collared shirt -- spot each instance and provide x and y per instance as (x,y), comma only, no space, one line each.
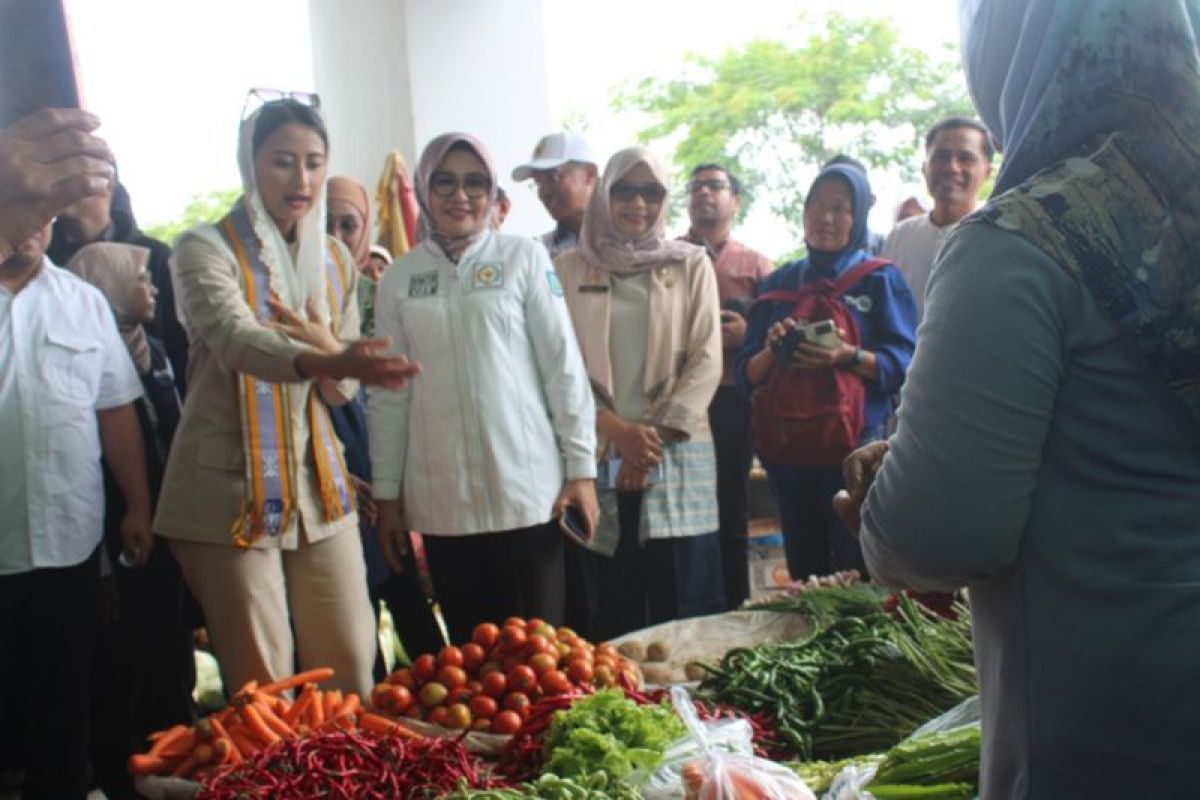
(482,439)
(61,361)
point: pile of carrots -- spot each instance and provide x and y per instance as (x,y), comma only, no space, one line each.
(256,718)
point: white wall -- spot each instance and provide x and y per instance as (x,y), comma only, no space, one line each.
(396,73)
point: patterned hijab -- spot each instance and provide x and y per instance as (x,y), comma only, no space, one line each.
(354,193)
(431,159)
(1097,107)
(603,246)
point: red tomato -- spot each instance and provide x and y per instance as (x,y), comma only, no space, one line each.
(432,694)
(566,634)
(483,707)
(537,644)
(543,629)
(511,661)
(459,694)
(438,716)
(458,716)
(532,623)
(450,656)
(541,663)
(608,650)
(518,621)
(473,657)
(578,652)
(402,677)
(475,687)
(496,654)
(380,696)
(579,671)
(415,711)
(483,725)
(451,677)
(512,638)
(555,682)
(485,635)
(401,698)
(506,722)
(516,701)
(424,667)
(521,678)
(494,684)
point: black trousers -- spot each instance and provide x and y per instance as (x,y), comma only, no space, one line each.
(144,668)
(729,418)
(660,581)
(47,631)
(491,576)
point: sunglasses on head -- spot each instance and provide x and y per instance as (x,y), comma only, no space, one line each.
(652,193)
(256,98)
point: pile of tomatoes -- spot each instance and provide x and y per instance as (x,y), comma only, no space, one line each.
(490,682)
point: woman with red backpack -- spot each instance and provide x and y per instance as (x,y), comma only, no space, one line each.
(828,342)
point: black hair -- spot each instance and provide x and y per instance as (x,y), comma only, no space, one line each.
(962,122)
(277,113)
(735,186)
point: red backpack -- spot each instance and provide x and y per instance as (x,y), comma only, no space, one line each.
(812,417)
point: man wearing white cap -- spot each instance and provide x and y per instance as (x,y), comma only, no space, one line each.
(564,170)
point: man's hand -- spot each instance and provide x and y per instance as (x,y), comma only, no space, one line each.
(581,495)
(858,471)
(393,533)
(640,446)
(48,160)
(137,538)
(733,329)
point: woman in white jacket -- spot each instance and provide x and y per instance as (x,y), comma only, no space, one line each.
(485,451)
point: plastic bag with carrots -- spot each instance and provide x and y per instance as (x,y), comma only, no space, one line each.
(722,772)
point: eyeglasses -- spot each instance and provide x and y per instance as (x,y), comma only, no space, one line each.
(256,98)
(474,185)
(652,193)
(714,185)
(553,175)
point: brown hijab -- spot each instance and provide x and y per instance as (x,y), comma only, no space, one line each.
(603,246)
(354,193)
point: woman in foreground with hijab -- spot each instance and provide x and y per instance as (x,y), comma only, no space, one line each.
(494,442)
(1047,448)
(816,542)
(646,313)
(256,501)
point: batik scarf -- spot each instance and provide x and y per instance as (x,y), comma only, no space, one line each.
(1096,104)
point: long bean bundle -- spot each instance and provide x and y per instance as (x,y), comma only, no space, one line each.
(858,686)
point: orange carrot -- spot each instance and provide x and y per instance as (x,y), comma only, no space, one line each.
(272,720)
(316,709)
(167,738)
(184,768)
(255,726)
(247,689)
(373,723)
(146,764)
(350,705)
(178,747)
(303,700)
(246,744)
(299,679)
(342,723)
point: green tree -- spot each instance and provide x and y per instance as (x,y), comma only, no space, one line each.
(774,112)
(204,207)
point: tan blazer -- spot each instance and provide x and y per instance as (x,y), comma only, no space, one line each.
(204,484)
(683,348)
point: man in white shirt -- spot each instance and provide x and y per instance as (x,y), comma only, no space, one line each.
(67,388)
(958,160)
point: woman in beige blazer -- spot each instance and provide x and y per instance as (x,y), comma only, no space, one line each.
(256,499)
(646,314)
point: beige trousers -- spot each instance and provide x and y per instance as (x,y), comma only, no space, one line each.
(255,599)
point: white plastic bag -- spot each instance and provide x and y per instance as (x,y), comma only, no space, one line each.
(717,762)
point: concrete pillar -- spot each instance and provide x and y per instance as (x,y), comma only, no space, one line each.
(396,73)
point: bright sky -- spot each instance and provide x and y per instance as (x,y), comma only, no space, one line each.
(168,76)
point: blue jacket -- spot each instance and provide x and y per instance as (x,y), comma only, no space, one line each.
(883,307)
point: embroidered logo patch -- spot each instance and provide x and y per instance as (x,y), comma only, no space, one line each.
(863,303)
(488,276)
(556,287)
(423,285)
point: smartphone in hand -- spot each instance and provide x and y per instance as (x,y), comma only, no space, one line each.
(37,64)
(574,525)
